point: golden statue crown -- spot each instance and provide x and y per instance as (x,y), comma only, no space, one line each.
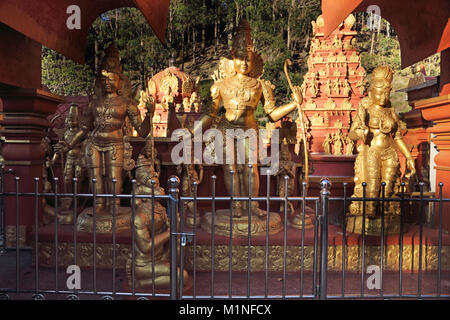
(242,41)
(111,60)
(382,76)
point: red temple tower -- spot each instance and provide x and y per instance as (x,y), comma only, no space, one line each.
(332,89)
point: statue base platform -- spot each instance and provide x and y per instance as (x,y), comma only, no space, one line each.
(373,225)
(104,250)
(190,221)
(240,225)
(104,221)
(65,217)
(159,293)
(297,221)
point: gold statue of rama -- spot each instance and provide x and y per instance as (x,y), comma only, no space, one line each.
(377,126)
(240,89)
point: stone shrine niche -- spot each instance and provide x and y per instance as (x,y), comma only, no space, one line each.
(332,88)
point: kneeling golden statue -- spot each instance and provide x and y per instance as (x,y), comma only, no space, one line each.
(152,251)
(377,126)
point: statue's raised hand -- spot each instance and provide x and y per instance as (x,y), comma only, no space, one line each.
(297,95)
(150,105)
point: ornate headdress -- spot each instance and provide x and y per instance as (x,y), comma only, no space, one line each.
(382,77)
(111,61)
(242,41)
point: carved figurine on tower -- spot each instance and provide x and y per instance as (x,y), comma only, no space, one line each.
(101,126)
(240,90)
(377,164)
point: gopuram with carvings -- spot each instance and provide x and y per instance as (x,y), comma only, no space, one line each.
(332,88)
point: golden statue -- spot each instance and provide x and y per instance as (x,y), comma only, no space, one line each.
(148,245)
(338,143)
(328,88)
(336,86)
(313,88)
(350,146)
(347,89)
(148,169)
(102,124)
(327,142)
(48,207)
(287,169)
(195,102)
(377,126)
(191,173)
(240,92)
(362,87)
(72,166)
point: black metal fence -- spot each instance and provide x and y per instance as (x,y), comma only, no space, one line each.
(321,266)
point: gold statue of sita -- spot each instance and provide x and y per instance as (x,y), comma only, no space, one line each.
(239,88)
(377,126)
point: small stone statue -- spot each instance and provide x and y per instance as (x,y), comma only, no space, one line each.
(328,88)
(195,102)
(350,146)
(327,143)
(346,88)
(338,143)
(336,86)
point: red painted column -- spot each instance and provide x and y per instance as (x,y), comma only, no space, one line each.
(438,110)
(23,124)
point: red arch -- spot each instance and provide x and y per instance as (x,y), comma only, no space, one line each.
(45,20)
(422,26)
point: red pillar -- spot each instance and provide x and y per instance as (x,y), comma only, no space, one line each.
(438,110)
(23,124)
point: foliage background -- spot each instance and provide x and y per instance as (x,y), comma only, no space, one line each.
(200,32)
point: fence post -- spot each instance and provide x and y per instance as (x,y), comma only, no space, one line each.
(174,182)
(324,195)
(2,212)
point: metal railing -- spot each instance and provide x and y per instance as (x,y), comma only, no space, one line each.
(181,237)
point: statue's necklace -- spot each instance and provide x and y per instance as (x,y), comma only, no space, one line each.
(246,82)
(386,123)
